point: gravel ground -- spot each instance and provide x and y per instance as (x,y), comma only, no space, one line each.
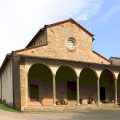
(91,115)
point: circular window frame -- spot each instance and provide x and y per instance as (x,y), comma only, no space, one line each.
(74,41)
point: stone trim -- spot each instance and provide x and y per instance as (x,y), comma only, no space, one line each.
(100,56)
(81,63)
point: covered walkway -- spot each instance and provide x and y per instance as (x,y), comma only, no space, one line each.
(67,85)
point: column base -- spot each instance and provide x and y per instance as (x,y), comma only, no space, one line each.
(78,104)
(54,104)
(116,103)
(99,103)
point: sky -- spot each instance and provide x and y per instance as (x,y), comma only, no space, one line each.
(20,20)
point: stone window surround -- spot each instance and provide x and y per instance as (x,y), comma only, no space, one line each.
(70,48)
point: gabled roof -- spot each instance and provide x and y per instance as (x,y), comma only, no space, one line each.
(114,58)
(38,33)
(101,56)
(58,23)
(7,57)
(73,21)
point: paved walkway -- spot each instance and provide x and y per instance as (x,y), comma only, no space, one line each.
(92,115)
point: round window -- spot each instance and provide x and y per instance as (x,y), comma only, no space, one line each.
(71,43)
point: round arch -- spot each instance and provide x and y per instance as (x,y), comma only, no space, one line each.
(88,86)
(107,86)
(66,85)
(40,84)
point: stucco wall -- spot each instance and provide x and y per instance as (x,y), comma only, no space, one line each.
(115,61)
(0,87)
(57,37)
(7,84)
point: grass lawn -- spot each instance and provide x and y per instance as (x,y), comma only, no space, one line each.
(6,107)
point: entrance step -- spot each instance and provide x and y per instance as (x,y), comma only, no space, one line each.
(37,107)
(109,106)
(61,108)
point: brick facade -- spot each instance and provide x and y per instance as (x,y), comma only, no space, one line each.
(57,37)
(54,45)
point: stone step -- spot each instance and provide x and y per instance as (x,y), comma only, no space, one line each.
(109,106)
(60,108)
(39,108)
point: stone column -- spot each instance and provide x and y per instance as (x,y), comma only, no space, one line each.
(116,91)
(98,91)
(54,91)
(78,92)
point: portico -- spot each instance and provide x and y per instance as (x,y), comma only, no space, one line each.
(69,83)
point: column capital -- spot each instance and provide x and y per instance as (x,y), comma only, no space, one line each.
(116,75)
(54,69)
(78,71)
(98,73)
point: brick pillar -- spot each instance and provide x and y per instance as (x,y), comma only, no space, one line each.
(22,87)
(16,82)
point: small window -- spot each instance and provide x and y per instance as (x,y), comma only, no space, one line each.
(70,43)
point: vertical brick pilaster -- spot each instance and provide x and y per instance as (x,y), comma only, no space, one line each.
(23,91)
(18,74)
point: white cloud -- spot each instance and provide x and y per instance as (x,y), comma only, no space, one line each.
(91,9)
(21,19)
(115,9)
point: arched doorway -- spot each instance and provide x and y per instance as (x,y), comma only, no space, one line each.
(88,86)
(107,86)
(66,86)
(40,84)
(118,89)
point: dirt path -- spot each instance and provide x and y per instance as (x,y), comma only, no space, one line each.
(93,115)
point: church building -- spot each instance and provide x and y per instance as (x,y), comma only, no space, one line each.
(59,67)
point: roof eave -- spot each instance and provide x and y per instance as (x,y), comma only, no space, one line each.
(42,29)
(80,62)
(65,21)
(101,56)
(58,23)
(7,57)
